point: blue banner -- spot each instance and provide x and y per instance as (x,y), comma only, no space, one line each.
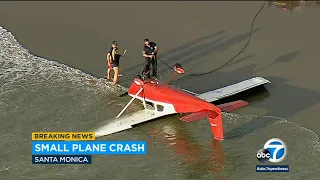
(88,147)
(272,168)
(61,159)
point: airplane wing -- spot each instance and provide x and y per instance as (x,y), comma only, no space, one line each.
(127,121)
(233,89)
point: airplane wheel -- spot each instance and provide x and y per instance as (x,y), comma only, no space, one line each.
(178,65)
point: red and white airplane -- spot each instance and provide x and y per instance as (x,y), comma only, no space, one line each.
(162,99)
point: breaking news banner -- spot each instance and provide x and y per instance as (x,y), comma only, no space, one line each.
(78,147)
(60,136)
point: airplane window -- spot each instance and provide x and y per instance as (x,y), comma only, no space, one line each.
(149,105)
(160,108)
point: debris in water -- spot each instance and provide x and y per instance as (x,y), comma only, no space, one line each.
(288,6)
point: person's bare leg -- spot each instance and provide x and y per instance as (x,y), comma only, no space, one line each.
(109,73)
(116,73)
(109,70)
(120,74)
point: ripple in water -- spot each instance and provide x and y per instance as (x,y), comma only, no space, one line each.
(245,140)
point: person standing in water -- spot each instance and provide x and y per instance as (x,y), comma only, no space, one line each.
(149,52)
(113,59)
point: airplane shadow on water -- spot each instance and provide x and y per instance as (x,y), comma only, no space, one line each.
(197,55)
(191,52)
(135,70)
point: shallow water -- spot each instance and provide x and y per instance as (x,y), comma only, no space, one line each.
(41,95)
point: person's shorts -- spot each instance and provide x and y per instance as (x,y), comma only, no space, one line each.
(113,64)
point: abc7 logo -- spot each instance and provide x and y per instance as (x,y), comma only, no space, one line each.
(263,155)
(275,150)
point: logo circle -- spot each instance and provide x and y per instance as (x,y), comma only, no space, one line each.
(263,155)
(277,149)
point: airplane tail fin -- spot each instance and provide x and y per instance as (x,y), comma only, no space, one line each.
(203,114)
(215,120)
(217,127)
(228,107)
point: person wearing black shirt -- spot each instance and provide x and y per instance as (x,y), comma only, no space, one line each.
(150,50)
(113,58)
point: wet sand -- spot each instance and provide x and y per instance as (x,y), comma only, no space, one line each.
(199,35)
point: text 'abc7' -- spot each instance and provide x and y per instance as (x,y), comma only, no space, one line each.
(274,150)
